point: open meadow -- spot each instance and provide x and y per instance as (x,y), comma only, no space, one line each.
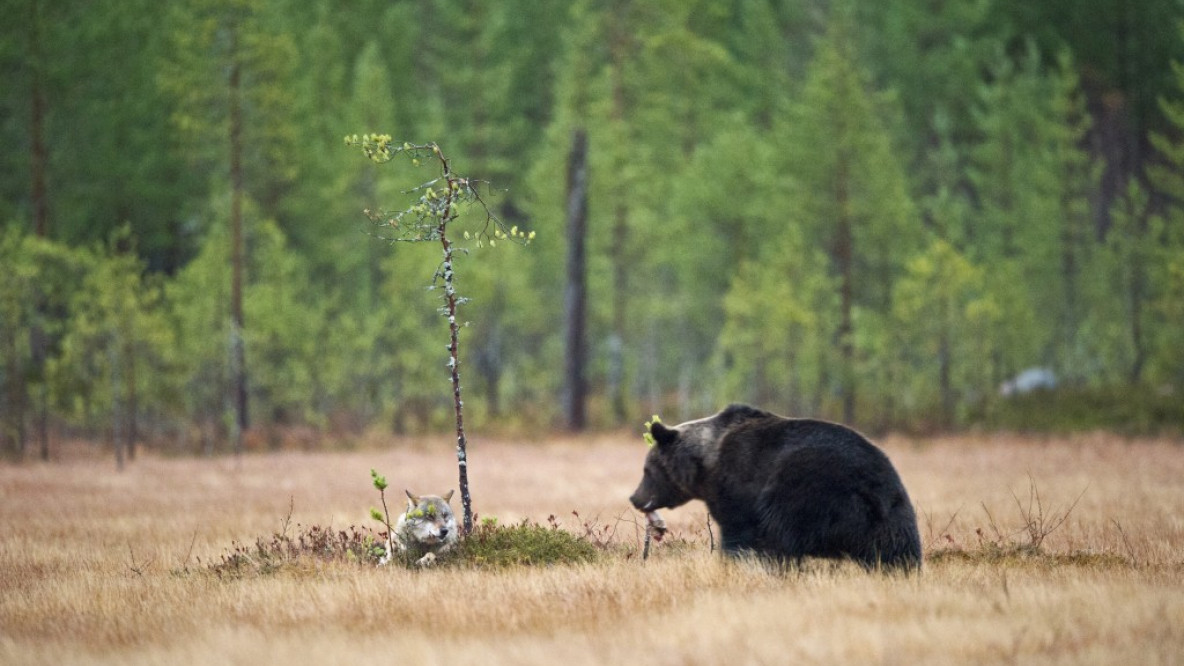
(1066,550)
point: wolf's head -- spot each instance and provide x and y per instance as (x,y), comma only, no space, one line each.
(428,520)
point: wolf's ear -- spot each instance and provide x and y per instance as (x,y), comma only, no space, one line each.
(662,434)
(448,497)
(412,500)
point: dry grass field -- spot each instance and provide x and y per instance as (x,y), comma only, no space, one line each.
(113,568)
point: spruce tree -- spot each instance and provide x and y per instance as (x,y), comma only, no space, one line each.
(854,197)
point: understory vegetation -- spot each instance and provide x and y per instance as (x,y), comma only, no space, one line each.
(489,545)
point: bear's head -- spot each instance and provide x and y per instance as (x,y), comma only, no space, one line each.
(675,464)
(682,455)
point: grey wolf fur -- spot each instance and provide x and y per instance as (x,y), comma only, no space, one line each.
(424,531)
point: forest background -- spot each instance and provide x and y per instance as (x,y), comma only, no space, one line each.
(872,212)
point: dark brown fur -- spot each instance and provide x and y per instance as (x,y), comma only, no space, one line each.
(785,488)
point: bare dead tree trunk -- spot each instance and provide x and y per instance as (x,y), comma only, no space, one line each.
(117,413)
(575,296)
(132,427)
(12,401)
(38,153)
(238,363)
(1138,279)
(845,258)
(39,196)
(945,372)
(617,46)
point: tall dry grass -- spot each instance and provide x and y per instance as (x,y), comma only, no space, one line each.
(100,567)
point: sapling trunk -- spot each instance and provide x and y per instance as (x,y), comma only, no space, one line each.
(450,299)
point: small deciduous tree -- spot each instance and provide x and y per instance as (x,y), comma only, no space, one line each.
(113,345)
(40,279)
(427,219)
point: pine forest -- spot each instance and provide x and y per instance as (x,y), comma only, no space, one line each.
(919,215)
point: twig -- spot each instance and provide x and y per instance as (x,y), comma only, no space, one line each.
(710,534)
(287,521)
(1000,539)
(934,538)
(188,553)
(1130,551)
(137,569)
(1035,522)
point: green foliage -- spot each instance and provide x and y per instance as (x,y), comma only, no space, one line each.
(207,41)
(524,544)
(287,370)
(291,373)
(1135,411)
(776,343)
(1035,183)
(942,314)
(490,546)
(114,353)
(1160,242)
(384,516)
(36,294)
(379,480)
(648,434)
(979,153)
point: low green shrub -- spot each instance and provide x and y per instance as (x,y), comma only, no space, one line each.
(489,546)
(529,544)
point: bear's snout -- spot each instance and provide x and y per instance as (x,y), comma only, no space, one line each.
(642,500)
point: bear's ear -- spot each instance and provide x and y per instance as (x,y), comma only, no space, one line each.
(662,434)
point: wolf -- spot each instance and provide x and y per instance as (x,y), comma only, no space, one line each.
(784,489)
(426,530)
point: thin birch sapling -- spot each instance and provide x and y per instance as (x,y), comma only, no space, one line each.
(437,204)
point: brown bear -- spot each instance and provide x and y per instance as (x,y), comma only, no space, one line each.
(785,488)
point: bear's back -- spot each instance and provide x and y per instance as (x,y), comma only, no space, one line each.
(762,449)
(768,437)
